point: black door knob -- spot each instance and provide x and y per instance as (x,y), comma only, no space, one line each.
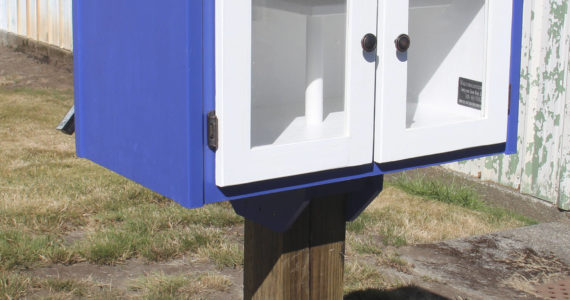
(369,42)
(403,42)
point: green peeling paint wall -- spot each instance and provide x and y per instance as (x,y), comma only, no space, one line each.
(542,166)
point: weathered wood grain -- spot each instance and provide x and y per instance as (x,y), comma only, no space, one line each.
(328,230)
(306,262)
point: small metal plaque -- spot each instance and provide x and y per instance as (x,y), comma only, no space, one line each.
(470,93)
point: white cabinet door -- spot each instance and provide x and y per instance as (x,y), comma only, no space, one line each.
(294,88)
(449,91)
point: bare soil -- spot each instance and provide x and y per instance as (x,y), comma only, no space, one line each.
(20,70)
(505,265)
(120,278)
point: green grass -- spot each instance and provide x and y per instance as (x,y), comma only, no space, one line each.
(436,190)
(14,286)
(454,194)
(20,250)
(159,233)
(118,244)
(66,286)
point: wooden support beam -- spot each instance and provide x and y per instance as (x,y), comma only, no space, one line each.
(306,262)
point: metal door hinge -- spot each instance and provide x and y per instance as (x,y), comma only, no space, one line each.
(212,130)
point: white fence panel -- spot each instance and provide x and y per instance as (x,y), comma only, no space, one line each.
(48,21)
(3,15)
(12,16)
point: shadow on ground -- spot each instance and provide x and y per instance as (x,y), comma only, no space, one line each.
(409,292)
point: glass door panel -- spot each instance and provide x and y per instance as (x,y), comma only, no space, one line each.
(298,71)
(294,87)
(448,89)
(447,57)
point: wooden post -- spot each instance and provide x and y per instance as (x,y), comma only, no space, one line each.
(306,262)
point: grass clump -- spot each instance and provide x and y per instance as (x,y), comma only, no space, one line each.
(115,245)
(229,255)
(159,232)
(109,247)
(359,276)
(436,190)
(161,286)
(364,245)
(20,249)
(382,223)
(66,286)
(14,286)
(454,194)
(363,222)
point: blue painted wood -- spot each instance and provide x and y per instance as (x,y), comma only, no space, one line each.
(516,48)
(144,83)
(280,210)
(276,211)
(139,82)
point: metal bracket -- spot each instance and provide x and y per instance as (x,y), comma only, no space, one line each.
(67,125)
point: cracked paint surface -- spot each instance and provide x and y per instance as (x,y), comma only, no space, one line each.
(541,167)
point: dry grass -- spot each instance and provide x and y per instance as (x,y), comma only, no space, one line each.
(397,218)
(361,276)
(161,286)
(529,270)
(56,208)
(14,286)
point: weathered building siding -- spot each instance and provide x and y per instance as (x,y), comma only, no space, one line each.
(540,168)
(48,21)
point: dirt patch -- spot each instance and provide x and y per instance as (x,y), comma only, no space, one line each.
(493,266)
(123,277)
(20,70)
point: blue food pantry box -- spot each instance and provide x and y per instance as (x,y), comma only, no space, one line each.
(268,103)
